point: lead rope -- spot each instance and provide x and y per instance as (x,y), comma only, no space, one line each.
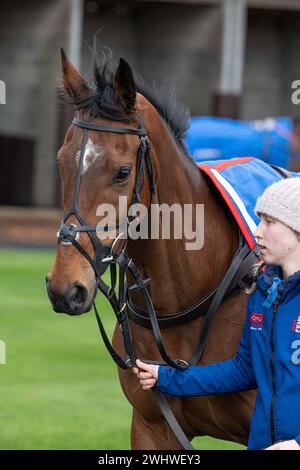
(120,308)
(124,323)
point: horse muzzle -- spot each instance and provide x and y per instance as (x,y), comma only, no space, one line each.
(75,301)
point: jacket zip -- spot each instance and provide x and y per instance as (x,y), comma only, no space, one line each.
(272,423)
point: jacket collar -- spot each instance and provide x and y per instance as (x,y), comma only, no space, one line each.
(271,272)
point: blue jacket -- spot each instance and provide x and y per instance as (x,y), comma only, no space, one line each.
(268,358)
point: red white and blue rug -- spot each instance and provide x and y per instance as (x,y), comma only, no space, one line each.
(241,181)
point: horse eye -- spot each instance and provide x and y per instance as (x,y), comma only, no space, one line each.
(122,174)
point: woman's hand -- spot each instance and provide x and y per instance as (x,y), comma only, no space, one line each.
(147,373)
(285,445)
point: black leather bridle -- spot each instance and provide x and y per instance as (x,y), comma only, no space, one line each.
(68,232)
(108,256)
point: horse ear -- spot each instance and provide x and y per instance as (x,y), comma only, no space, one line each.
(74,83)
(124,86)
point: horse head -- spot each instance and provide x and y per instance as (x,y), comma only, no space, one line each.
(102,158)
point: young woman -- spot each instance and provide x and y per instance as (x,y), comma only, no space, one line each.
(268,357)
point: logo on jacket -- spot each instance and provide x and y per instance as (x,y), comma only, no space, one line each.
(296,325)
(256,321)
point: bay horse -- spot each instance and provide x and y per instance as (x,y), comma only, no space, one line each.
(97,167)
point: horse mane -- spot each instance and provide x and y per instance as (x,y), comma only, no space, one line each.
(102,103)
(164,100)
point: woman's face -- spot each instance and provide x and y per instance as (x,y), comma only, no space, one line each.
(278,243)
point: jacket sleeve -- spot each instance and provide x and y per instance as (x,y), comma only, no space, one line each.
(233,375)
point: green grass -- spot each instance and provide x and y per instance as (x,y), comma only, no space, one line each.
(59,388)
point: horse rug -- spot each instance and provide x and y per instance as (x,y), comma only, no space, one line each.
(210,138)
(241,181)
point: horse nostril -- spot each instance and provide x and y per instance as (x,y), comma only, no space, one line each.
(77,296)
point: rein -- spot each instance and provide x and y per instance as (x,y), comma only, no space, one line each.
(118,262)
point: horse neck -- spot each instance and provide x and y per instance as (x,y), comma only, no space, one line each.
(180,277)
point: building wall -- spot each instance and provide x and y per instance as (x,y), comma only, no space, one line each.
(168,43)
(271,64)
(181,44)
(30,35)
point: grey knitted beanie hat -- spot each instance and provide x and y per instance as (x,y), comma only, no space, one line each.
(281,200)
